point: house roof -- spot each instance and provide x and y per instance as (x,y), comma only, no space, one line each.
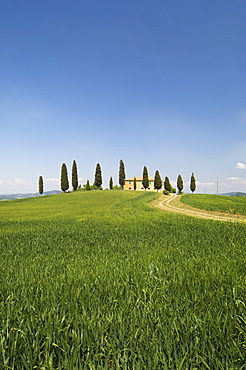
(139,179)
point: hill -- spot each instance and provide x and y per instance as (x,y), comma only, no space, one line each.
(27,195)
(196,206)
(216,203)
(234,194)
(99,280)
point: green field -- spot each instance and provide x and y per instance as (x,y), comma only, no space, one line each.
(217,203)
(99,280)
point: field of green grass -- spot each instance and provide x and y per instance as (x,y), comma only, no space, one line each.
(99,280)
(216,203)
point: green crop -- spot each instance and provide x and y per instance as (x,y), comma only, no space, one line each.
(99,280)
(218,203)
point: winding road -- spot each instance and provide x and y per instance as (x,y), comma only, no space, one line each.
(171,203)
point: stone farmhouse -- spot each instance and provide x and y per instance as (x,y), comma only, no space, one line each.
(129,184)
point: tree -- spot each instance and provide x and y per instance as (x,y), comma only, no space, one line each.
(98,176)
(134,183)
(111,183)
(87,185)
(180,184)
(157,181)
(192,183)
(74,176)
(145,181)
(64,178)
(173,190)
(122,175)
(40,185)
(167,184)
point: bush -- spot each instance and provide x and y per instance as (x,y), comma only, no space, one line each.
(165,192)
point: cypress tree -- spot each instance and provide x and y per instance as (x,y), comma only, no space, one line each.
(134,183)
(74,176)
(40,185)
(87,186)
(111,183)
(122,175)
(157,181)
(98,176)
(145,181)
(167,184)
(64,178)
(192,183)
(180,184)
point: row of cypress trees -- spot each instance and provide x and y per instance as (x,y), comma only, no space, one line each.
(65,182)
(167,185)
(122,177)
(64,179)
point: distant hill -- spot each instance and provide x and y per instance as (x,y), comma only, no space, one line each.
(27,195)
(234,194)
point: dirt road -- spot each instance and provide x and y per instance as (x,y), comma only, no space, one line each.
(171,203)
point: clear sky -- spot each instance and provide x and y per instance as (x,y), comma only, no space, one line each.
(156,83)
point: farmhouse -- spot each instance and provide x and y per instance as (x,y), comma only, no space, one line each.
(129,184)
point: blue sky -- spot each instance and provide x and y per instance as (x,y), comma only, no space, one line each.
(158,83)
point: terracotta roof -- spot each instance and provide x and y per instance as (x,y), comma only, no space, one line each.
(139,179)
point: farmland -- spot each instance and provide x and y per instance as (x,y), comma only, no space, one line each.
(99,280)
(218,203)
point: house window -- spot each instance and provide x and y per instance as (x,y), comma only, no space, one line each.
(150,182)
(129,182)
(129,188)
